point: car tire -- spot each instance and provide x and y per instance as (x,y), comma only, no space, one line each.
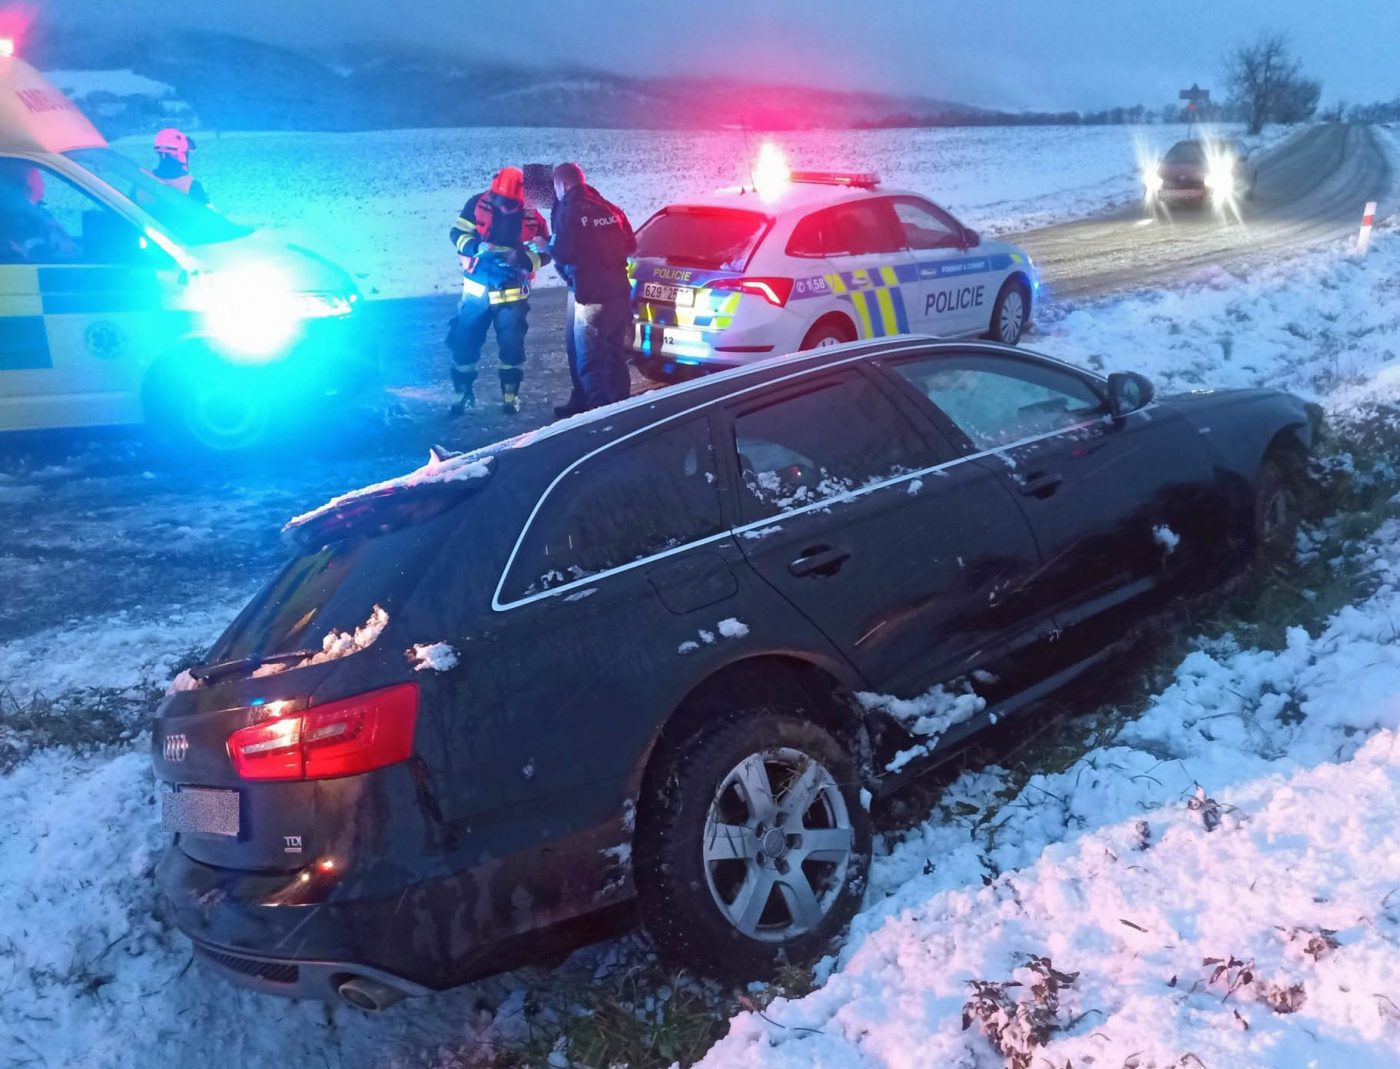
(1008,324)
(787,874)
(1276,517)
(822,335)
(207,409)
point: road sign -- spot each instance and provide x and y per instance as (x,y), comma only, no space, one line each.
(1195,95)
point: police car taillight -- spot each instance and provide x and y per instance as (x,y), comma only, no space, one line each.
(853,179)
(775,291)
(7,47)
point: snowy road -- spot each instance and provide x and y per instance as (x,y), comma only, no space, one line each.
(1311,190)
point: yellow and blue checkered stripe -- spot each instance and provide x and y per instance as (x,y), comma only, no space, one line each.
(876,298)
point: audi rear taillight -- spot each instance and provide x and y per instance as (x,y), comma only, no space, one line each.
(340,738)
(775,291)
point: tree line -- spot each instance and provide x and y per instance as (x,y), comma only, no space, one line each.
(1263,80)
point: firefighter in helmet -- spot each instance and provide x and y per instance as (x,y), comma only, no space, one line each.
(501,245)
(173,164)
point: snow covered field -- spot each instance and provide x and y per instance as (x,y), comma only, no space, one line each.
(380,203)
(1249,814)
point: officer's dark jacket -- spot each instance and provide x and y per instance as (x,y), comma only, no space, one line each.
(592,240)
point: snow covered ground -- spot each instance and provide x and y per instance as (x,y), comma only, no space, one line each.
(380,204)
(1249,814)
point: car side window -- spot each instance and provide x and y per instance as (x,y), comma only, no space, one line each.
(998,400)
(45,219)
(837,436)
(857,229)
(925,227)
(631,501)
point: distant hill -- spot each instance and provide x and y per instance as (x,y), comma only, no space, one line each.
(229,82)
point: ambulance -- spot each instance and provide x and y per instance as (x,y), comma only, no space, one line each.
(798,259)
(123,301)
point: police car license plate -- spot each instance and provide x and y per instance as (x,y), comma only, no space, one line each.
(662,291)
(200,810)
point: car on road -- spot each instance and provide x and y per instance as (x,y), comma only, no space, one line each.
(813,259)
(124,301)
(664,655)
(1201,171)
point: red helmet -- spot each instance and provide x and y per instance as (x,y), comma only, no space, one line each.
(172,142)
(509,182)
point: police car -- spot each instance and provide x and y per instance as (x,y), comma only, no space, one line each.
(124,301)
(799,260)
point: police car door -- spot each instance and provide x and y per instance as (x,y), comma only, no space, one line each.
(955,289)
(86,299)
(865,250)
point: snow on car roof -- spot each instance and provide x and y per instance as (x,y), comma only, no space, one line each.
(437,470)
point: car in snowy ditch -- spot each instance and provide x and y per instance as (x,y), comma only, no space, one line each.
(660,658)
(803,259)
(124,301)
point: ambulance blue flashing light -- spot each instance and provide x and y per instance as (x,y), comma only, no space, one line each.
(853,179)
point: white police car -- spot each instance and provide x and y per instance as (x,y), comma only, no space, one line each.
(124,301)
(803,259)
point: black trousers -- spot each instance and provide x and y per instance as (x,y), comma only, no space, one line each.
(475,318)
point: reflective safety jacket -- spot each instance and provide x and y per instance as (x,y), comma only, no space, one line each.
(173,175)
(490,237)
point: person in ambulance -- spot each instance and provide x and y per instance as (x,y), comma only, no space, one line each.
(797,260)
(126,301)
(173,148)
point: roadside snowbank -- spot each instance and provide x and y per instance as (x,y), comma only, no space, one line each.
(1122,870)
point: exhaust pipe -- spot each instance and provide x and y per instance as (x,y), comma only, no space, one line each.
(368,995)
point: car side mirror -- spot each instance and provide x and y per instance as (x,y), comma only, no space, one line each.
(1127,392)
(970,238)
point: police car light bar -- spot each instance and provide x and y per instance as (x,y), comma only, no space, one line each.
(7,47)
(856,180)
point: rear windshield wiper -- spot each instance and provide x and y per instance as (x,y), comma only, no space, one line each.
(205,672)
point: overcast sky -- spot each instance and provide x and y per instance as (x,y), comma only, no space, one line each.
(1046,54)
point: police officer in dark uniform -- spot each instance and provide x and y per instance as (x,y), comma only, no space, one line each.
(592,241)
(501,245)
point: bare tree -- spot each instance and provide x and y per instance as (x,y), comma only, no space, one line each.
(1267,82)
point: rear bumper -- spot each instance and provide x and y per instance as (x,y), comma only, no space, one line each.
(283,934)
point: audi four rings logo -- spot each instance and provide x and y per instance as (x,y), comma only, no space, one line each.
(176,746)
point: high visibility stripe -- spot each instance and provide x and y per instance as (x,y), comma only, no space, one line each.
(867,327)
(889,276)
(77,290)
(900,315)
(837,283)
(860,277)
(466,224)
(888,320)
(24,344)
(507,296)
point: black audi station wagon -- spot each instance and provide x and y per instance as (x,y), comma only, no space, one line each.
(488,708)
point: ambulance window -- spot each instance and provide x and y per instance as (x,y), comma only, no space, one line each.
(925,227)
(631,501)
(44,218)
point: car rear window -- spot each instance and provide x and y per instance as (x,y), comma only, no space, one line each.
(629,502)
(716,238)
(333,587)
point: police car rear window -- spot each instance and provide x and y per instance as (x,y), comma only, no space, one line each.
(715,238)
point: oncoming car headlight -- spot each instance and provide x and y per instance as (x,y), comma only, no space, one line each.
(254,313)
(1152,182)
(1221,180)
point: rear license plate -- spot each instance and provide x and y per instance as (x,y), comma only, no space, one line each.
(662,291)
(201,810)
